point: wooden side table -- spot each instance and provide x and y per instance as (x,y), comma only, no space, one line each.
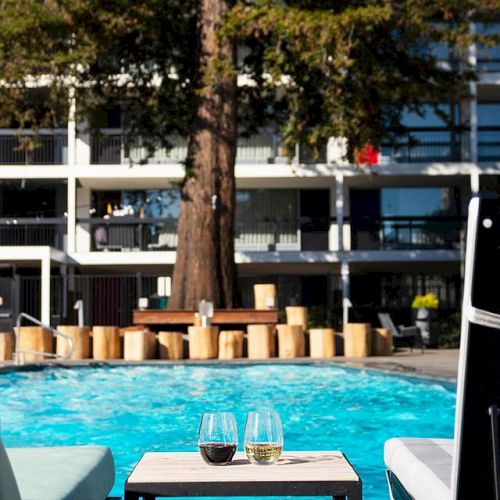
(313,473)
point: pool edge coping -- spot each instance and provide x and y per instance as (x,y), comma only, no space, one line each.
(390,368)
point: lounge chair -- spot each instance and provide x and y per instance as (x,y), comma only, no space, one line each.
(468,467)
(406,335)
(68,472)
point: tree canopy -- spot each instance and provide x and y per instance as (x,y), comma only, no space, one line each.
(316,68)
(351,68)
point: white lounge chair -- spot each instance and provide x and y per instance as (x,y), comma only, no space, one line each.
(468,467)
(59,473)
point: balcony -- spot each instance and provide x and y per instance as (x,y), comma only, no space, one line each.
(47,148)
(488,143)
(265,147)
(25,232)
(270,234)
(491,63)
(127,234)
(429,144)
(408,233)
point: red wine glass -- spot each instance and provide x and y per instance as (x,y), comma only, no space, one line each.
(218,438)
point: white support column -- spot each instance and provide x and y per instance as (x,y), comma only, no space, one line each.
(333,232)
(339,204)
(346,302)
(475,184)
(83,153)
(71,215)
(72,128)
(45,290)
(83,233)
(474,153)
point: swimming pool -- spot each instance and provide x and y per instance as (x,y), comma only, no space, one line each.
(133,409)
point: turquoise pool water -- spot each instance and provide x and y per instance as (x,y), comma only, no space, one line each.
(157,408)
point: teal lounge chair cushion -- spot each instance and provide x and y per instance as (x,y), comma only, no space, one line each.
(8,485)
(67,472)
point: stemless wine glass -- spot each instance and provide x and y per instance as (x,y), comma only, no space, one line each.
(218,438)
(263,437)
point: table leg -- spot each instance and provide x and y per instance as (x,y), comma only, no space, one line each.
(132,495)
(356,493)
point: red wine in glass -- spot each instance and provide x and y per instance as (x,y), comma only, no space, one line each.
(217,453)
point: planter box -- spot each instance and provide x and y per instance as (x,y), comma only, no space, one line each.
(427,320)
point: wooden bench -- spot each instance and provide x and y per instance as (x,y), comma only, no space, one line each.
(221,317)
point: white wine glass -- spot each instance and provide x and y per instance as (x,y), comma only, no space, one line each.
(263,437)
(218,438)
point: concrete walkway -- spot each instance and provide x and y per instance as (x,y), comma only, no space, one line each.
(442,363)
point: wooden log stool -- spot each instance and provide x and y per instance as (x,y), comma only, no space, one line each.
(203,342)
(261,341)
(34,338)
(139,345)
(81,341)
(171,345)
(297,315)
(357,340)
(6,346)
(264,296)
(106,342)
(322,342)
(231,344)
(290,341)
(381,342)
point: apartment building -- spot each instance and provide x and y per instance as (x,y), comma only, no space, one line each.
(84,218)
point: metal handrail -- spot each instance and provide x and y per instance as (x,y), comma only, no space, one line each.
(41,353)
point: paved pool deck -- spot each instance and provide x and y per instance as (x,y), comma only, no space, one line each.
(440,363)
(437,363)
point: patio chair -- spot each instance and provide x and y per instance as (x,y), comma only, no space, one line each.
(402,335)
(67,472)
(467,467)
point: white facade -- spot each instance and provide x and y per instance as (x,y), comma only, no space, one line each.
(84,170)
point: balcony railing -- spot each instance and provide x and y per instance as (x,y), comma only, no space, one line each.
(123,234)
(264,147)
(408,233)
(31,149)
(429,144)
(157,234)
(25,231)
(109,148)
(488,59)
(274,234)
(488,143)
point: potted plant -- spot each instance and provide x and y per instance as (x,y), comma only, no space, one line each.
(425,309)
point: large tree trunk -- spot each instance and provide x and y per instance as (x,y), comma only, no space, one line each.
(205,267)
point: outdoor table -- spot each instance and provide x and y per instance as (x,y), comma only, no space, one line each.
(301,473)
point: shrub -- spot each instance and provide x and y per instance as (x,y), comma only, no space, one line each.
(450,328)
(429,301)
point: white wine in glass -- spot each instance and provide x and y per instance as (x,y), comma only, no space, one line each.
(263,437)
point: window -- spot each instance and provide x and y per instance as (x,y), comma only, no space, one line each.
(488,114)
(414,202)
(430,117)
